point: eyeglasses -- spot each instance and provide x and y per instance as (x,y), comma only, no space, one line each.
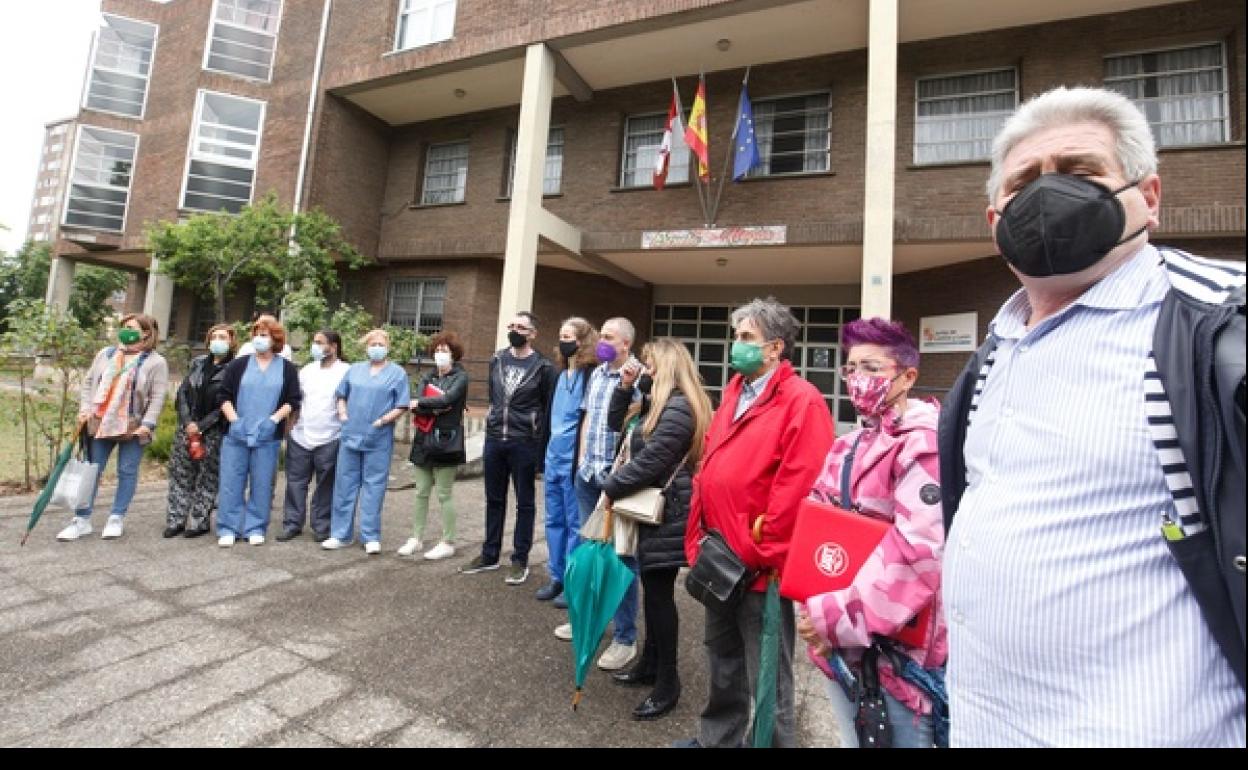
(519,328)
(867,367)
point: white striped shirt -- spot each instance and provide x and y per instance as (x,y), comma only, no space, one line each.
(1070,623)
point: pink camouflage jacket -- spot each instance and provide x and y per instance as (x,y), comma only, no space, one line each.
(895,477)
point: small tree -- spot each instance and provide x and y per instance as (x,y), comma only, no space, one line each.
(353,322)
(280,252)
(93,288)
(24,276)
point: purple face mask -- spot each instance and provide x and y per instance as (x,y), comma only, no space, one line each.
(605,351)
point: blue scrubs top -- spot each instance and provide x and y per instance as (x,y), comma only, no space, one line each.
(256,400)
(565,416)
(369,396)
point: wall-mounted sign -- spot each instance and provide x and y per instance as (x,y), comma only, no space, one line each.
(954,333)
(715,237)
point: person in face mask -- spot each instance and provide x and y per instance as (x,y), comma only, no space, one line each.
(371,398)
(118,407)
(193,480)
(1092,455)
(764,449)
(894,476)
(438,446)
(313,446)
(575,358)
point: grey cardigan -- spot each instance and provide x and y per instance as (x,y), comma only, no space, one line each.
(149,388)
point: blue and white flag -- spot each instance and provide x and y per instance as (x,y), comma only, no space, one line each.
(745,147)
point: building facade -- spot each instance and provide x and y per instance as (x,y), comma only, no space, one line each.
(55,159)
(496,155)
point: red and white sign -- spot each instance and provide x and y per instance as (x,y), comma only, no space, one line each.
(715,237)
(831,559)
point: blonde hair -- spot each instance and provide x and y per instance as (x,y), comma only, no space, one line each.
(674,371)
(373,334)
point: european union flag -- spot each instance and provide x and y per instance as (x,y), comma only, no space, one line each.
(745,148)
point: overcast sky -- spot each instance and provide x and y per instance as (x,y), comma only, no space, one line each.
(44,45)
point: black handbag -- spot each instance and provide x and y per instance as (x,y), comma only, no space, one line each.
(718,578)
(444,441)
(871,722)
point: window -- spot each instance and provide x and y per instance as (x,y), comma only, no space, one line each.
(120,64)
(203,318)
(57,130)
(243,37)
(417,304)
(99,186)
(54,165)
(46,200)
(956,117)
(552,180)
(41,236)
(422,22)
(42,219)
(221,168)
(643,136)
(1181,91)
(55,148)
(446,173)
(792,134)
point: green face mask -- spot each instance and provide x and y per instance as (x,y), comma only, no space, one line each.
(747,357)
(127,336)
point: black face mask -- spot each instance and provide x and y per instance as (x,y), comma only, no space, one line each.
(517,340)
(1061,224)
(568,349)
(644,383)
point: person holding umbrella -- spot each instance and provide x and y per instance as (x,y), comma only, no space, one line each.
(119,405)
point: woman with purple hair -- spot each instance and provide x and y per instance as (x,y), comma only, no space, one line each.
(893,476)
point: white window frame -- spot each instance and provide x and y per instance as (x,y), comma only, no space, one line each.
(757,172)
(91,67)
(191,155)
(406,9)
(647,179)
(509,170)
(946,76)
(1226,87)
(212,28)
(69,185)
(424,179)
(422,284)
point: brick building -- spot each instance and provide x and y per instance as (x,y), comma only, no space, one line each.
(494,155)
(50,182)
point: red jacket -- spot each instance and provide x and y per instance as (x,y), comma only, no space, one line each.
(765,463)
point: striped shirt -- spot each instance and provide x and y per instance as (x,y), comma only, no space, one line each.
(1070,623)
(750,391)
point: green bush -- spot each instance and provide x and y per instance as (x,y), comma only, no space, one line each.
(161,448)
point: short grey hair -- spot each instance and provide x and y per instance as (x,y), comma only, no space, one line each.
(774,320)
(623,326)
(1137,153)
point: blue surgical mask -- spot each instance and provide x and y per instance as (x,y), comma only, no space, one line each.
(219,348)
(377,352)
(317,351)
(261,344)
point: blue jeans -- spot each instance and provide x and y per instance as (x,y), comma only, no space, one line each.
(239,513)
(563,519)
(360,475)
(625,619)
(910,731)
(516,459)
(129,455)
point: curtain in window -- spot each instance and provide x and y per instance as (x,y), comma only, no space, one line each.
(957,117)
(1181,92)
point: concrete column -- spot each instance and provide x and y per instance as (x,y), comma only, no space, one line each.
(60,283)
(878,211)
(524,221)
(158,300)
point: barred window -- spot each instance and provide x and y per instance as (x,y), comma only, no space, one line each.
(552,179)
(243,37)
(225,144)
(99,185)
(120,64)
(1182,92)
(957,116)
(417,304)
(793,134)
(446,173)
(643,138)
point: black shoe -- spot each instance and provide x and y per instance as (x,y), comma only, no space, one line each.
(173,530)
(634,677)
(549,591)
(287,534)
(653,708)
(197,531)
(320,537)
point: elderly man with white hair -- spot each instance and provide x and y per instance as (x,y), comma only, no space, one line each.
(1093,453)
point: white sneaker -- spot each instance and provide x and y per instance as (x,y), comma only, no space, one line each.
(112,528)
(564,632)
(226,541)
(442,550)
(617,656)
(333,544)
(256,540)
(372,548)
(80,526)
(410,547)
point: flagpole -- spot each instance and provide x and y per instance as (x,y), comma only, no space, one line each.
(680,113)
(732,149)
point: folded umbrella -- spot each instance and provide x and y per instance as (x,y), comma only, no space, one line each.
(42,502)
(769,653)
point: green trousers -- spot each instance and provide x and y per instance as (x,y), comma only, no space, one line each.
(427,479)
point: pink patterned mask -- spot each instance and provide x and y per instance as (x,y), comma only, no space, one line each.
(869,393)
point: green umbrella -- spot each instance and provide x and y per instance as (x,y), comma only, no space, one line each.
(61,461)
(769,646)
(594,584)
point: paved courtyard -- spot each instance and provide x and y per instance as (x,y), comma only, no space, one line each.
(150,642)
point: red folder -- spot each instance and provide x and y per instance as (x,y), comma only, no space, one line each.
(424,422)
(829,546)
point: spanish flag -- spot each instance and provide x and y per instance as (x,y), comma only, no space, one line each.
(695,132)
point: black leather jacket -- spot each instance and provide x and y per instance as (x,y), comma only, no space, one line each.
(525,414)
(197,395)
